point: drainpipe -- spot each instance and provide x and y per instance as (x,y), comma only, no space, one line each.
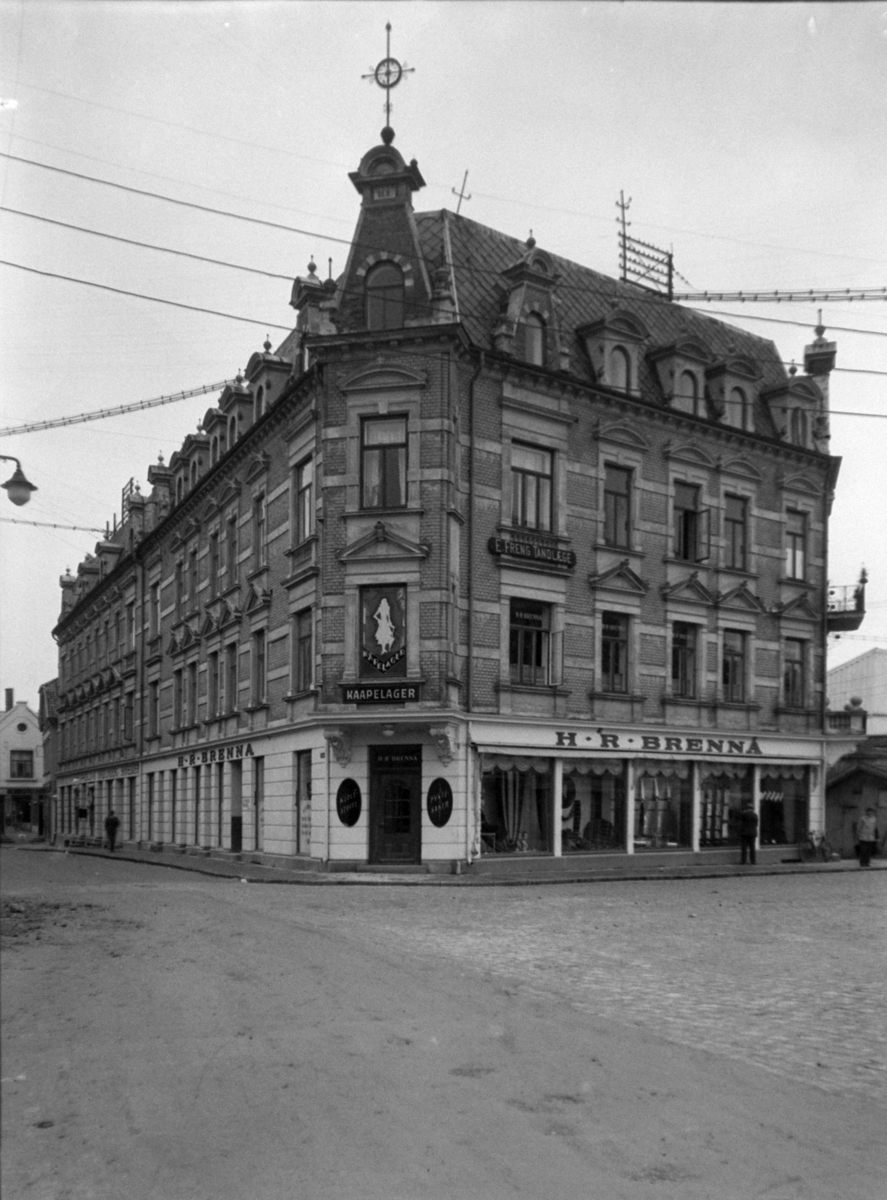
(469,674)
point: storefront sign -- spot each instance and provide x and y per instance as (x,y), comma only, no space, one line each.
(439,803)
(348,802)
(217,754)
(654,743)
(379,693)
(383,630)
(528,550)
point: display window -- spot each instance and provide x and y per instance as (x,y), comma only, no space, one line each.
(516,799)
(785,806)
(593,808)
(663,806)
(724,794)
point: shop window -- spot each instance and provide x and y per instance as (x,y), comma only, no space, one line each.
(21,764)
(516,800)
(793,674)
(303,659)
(617,506)
(620,374)
(785,799)
(733,666)
(302,775)
(534,339)
(735,532)
(663,808)
(385,297)
(691,524)
(303,501)
(531,487)
(723,797)
(384,462)
(529,643)
(593,812)
(614,652)
(683,660)
(795,544)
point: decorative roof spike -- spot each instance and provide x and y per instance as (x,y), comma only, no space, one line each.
(266,345)
(820,328)
(531,241)
(793,370)
(312,265)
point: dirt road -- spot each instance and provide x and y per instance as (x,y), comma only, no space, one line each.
(170,1036)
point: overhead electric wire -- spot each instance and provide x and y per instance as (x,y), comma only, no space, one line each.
(580,288)
(51,525)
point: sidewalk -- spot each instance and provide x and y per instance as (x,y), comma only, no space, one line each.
(528,872)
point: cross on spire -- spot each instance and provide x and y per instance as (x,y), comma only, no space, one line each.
(388,74)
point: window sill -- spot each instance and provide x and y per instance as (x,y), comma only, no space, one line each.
(537,689)
(738,705)
(799,583)
(605,546)
(303,546)
(689,562)
(306,694)
(251,708)
(796,710)
(634,697)
(746,574)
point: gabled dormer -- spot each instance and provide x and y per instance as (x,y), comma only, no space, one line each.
(189,464)
(731,387)
(799,412)
(529,327)
(385,284)
(679,370)
(614,345)
(236,402)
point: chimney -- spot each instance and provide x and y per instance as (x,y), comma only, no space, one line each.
(10,698)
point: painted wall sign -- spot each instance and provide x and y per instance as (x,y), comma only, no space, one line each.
(348,802)
(439,803)
(379,693)
(529,550)
(654,743)
(383,630)
(216,754)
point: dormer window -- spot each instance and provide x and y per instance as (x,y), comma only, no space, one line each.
(232,430)
(259,404)
(214,451)
(798,427)
(688,395)
(385,297)
(180,489)
(737,409)
(620,369)
(534,340)
(193,479)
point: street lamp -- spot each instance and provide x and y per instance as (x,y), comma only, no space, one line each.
(18,488)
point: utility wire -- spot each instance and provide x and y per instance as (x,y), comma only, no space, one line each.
(581,288)
(50,525)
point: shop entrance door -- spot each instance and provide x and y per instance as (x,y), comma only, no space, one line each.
(395,804)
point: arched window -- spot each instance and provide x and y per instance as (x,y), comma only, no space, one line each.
(193,472)
(534,340)
(734,410)
(384,297)
(214,451)
(259,404)
(180,488)
(799,428)
(620,369)
(232,431)
(686,396)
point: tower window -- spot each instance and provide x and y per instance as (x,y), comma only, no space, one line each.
(385,297)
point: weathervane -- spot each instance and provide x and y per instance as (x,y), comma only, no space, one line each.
(388,73)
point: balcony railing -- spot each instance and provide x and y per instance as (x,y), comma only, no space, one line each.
(846,606)
(849,721)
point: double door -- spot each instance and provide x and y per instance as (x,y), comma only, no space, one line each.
(395,804)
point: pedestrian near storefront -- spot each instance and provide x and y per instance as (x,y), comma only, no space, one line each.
(112,824)
(748,833)
(867,837)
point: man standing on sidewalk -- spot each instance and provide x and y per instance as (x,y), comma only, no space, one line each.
(867,837)
(112,824)
(748,832)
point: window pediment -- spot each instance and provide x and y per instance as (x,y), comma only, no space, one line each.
(801,482)
(689,452)
(620,433)
(382,543)
(691,589)
(383,379)
(258,598)
(741,597)
(258,465)
(620,578)
(741,467)
(799,607)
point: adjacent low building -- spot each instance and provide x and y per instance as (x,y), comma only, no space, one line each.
(495,557)
(22,791)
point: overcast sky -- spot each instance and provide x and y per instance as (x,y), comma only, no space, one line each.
(752,139)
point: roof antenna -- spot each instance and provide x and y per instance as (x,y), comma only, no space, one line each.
(461,193)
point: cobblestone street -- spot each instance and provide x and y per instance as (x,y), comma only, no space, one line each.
(783,972)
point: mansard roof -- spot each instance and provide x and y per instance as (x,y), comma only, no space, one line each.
(479,256)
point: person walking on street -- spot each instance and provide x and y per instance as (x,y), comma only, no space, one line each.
(867,837)
(748,832)
(112,824)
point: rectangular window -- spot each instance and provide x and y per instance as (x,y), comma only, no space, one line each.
(179,589)
(384,462)
(303,501)
(614,652)
(531,487)
(154,611)
(154,708)
(231,550)
(212,685)
(795,544)
(131,626)
(735,532)
(258,532)
(128,704)
(529,643)
(192,693)
(192,580)
(691,524)
(231,677)
(178,699)
(617,506)
(793,675)
(733,667)
(683,660)
(214,568)
(21,764)
(302,651)
(259,667)
(303,800)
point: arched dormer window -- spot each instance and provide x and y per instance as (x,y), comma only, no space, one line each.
(620,369)
(259,404)
(534,340)
(686,398)
(232,431)
(798,429)
(736,409)
(193,472)
(180,489)
(384,297)
(214,451)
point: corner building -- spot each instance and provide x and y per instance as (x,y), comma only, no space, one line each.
(494,557)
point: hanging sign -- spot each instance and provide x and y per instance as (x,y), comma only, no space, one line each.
(383,631)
